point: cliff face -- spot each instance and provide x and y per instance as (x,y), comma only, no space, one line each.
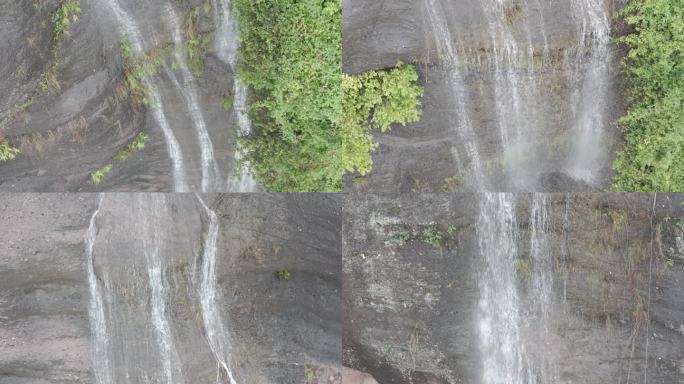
(586,288)
(519,95)
(156,320)
(85,117)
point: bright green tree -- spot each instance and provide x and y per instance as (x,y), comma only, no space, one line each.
(653,158)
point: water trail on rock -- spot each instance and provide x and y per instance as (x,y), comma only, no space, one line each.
(246,182)
(504,359)
(467,136)
(541,285)
(226,45)
(152,206)
(188,89)
(132,34)
(505,57)
(96,311)
(588,151)
(217,336)
(225,42)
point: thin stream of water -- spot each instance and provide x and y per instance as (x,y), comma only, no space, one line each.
(132,34)
(96,308)
(217,335)
(188,89)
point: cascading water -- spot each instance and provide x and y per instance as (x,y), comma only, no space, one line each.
(505,58)
(226,42)
(217,336)
(515,329)
(132,34)
(504,358)
(96,309)
(188,89)
(541,290)
(152,206)
(246,182)
(588,153)
(226,45)
(517,66)
(440,30)
(134,304)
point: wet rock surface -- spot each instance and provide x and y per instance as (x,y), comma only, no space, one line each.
(282,330)
(66,133)
(508,99)
(614,308)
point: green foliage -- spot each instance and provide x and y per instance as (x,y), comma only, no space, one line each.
(291,60)
(432,235)
(67,13)
(62,18)
(375,100)
(196,42)
(452,184)
(97,176)
(137,70)
(138,143)
(653,159)
(228,103)
(680,224)
(284,275)
(7,152)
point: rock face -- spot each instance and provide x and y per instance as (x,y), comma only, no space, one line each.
(67,132)
(519,95)
(465,288)
(127,294)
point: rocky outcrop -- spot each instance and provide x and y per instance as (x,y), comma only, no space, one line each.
(519,95)
(148,258)
(600,304)
(76,127)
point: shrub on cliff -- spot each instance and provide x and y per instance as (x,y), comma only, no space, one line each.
(653,159)
(376,100)
(291,60)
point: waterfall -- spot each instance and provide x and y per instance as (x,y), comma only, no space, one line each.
(465,131)
(217,335)
(504,359)
(506,57)
(541,284)
(132,34)
(226,45)
(188,89)
(520,127)
(152,207)
(226,42)
(246,182)
(96,311)
(588,152)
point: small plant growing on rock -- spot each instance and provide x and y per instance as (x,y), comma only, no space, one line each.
(138,143)
(228,103)
(7,152)
(452,184)
(432,235)
(97,176)
(284,275)
(62,18)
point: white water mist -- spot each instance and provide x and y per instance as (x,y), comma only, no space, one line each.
(503,357)
(464,129)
